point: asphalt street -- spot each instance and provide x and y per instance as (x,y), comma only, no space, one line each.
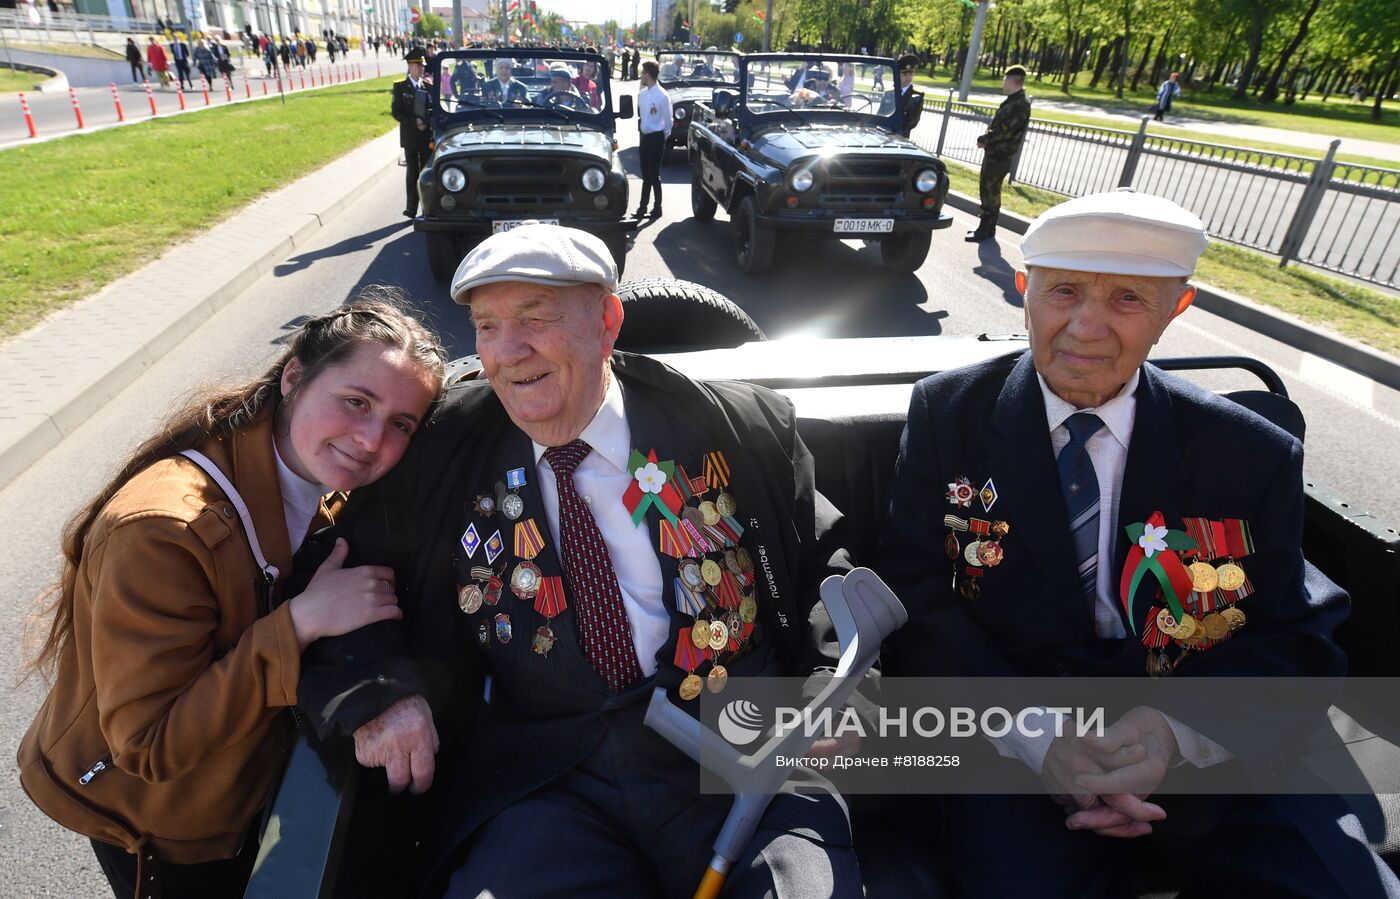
(815,289)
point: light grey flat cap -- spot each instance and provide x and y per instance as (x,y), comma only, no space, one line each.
(1118,232)
(536,254)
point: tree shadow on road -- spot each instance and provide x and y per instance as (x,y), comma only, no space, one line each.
(992,266)
(345,247)
(816,288)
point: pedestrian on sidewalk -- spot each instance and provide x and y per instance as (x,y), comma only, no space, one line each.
(1169,91)
(654,120)
(133,59)
(269,57)
(414,133)
(160,63)
(204,60)
(180,53)
(1000,144)
(174,658)
(301,54)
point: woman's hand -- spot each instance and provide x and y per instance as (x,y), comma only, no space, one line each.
(340,600)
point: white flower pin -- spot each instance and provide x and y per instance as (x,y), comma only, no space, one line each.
(651,478)
(1153,539)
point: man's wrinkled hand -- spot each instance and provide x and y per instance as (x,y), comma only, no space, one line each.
(404,742)
(844,743)
(1135,753)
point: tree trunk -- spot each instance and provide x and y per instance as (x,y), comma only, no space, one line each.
(1124,45)
(1256,44)
(1040,60)
(1160,61)
(1105,54)
(1142,63)
(1382,85)
(1290,84)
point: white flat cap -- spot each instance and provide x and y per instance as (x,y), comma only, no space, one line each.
(536,254)
(1121,232)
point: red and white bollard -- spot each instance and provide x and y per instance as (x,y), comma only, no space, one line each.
(264,87)
(180,93)
(150,96)
(77,112)
(378,72)
(117,101)
(204,86)
(303,79)
(247,88)
(228,87)
(28,118)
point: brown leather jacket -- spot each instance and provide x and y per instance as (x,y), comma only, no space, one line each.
(167,721)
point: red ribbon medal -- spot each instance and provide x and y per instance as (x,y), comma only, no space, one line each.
(1154,552)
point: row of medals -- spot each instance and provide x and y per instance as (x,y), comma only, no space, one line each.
(714,625)
(979,553)
(524,580)
(1192,632)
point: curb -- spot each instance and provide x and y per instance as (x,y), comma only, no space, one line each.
(1243,311)
(27,434)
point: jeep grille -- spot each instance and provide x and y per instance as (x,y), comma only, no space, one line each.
(861,182)
(526,167)
(543,192)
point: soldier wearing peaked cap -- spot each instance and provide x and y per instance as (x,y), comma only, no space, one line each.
(1000,144)
(1045,475)
(585,525)
(415,133)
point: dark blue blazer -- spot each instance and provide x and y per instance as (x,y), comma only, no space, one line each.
(1192,453)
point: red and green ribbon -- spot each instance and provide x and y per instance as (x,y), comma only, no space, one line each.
(668,500)
(1165,565)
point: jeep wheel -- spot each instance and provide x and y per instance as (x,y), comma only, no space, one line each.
(443,257)
(662,314)
(702,205)
(617,245)
(753,242)
(905,252)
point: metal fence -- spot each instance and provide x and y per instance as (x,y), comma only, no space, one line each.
(1335,216)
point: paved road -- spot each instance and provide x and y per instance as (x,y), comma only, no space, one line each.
(53,111)
(1353,230)
(815,290)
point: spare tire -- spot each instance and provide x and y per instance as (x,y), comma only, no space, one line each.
(665,315)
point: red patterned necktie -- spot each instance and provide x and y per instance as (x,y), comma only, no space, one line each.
(604,633)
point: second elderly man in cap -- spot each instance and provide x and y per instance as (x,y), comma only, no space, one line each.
(581,526)
(1043,475)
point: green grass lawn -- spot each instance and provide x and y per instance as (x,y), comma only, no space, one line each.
(87,51)
(1338,117)
(84,211)
(12,80)
(1361,313)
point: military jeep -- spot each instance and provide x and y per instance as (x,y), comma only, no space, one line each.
(521,134)
(790,154)
(689,78)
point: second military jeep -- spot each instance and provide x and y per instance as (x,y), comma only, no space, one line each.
(519,135)
(812,148)
(689,78)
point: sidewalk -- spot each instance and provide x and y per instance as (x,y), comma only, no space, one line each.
(1305,141)
(55,375)
(53,111)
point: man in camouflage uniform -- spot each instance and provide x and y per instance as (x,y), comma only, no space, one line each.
(1000,145)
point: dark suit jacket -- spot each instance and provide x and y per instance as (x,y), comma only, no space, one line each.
(515,93)
(1192,453)
(549,712)
(401,108)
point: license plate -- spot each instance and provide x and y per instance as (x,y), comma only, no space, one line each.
(498,227)
(864,226)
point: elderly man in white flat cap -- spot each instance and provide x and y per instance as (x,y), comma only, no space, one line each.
(574,525)
(1023,494)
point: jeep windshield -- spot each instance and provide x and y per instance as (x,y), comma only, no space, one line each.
(709,67)
(504,85)
(821,88)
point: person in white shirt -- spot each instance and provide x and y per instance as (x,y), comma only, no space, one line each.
(654,119)
(1046,477)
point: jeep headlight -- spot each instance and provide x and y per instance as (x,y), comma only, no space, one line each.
(680,113)
(802,180)
(593,179)
(926,181)
(453,179)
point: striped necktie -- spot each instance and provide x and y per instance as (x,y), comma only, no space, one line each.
(1080,487)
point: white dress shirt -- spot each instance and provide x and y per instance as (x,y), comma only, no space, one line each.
(301,500)
(654,109)
(1108,451)
(601,479)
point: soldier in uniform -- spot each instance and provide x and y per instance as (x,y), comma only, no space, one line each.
(913,100)
(414,133)
(999,147)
